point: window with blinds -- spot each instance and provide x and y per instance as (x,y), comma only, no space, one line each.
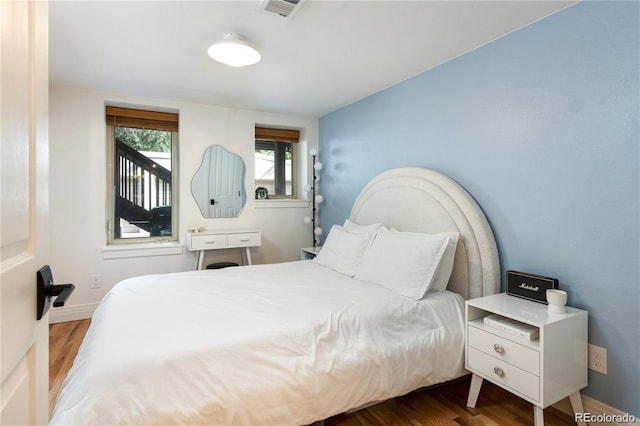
(142,189)
(275,162)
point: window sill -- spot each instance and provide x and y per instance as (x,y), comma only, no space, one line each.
(121,251)
(281,204)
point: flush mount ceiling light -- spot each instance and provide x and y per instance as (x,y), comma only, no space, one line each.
(234,51)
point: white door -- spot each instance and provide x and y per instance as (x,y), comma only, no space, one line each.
(226,184)
(24,158)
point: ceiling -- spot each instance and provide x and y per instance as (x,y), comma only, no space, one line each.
(327,55)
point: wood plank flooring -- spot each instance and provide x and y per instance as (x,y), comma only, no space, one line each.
(441,405)
(64,341)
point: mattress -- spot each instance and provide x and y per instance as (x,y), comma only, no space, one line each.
(286,343)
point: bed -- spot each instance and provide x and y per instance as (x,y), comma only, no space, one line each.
(296,342)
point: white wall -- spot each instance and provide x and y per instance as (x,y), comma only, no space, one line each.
(78,197)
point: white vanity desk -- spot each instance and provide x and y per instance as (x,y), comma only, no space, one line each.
(216,239)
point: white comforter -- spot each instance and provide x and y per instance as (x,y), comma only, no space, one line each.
(278,344)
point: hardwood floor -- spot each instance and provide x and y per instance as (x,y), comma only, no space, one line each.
(447,405)
(64,341)
(441,405)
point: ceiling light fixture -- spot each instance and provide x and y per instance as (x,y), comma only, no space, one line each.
(234,51)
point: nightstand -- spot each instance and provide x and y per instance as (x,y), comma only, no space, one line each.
(542,371)
(308,253)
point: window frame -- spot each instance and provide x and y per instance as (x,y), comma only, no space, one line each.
(279,136)
(111,179)
(279,181)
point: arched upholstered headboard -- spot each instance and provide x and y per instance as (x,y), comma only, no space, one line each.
(423,200)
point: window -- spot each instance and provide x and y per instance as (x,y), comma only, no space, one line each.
(275,162)
(142,201)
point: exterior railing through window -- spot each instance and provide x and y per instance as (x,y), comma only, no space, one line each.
(143,191)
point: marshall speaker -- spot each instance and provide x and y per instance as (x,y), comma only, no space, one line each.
(529,286)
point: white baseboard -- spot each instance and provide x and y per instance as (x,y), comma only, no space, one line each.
(596,408)
(71,313)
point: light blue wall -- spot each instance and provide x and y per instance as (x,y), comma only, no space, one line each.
(541,127)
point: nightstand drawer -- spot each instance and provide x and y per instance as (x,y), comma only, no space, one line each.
(208,241)
(249,239)
(506,350)
(504,373)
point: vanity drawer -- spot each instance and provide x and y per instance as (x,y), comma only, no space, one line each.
(208,241)
(504,373)
(505,350)
(246,239)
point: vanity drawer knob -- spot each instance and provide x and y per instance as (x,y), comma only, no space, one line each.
(499,371)
(498,348)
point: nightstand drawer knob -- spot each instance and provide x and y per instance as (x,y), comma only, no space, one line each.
(499,371)
(498,348)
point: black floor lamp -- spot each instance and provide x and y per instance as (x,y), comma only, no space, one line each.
(316,231)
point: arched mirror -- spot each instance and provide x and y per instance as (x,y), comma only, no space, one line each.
(218,185)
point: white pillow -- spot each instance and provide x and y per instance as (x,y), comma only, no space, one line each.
(405,262)
(354,227)
(342,251)
(443,274)
(445,268)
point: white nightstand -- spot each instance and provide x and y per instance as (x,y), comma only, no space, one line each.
(541,371)
(308,253)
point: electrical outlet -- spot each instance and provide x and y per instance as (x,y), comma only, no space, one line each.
(95,281)
(598,359)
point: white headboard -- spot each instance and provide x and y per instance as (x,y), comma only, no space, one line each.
(422,200)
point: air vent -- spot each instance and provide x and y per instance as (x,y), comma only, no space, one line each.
(283,8)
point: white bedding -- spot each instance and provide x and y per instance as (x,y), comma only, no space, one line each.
(287,343)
